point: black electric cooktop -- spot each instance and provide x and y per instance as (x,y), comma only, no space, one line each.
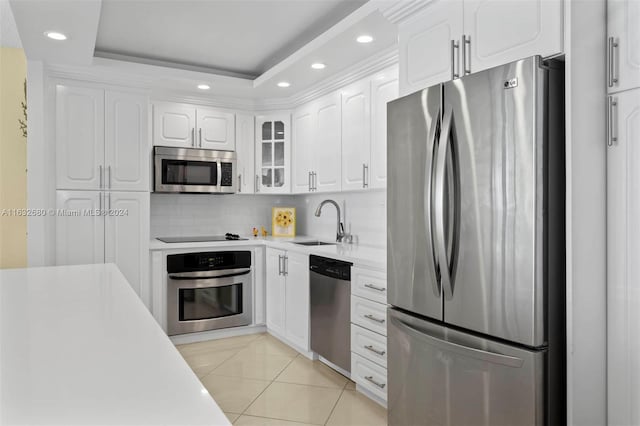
(201,239)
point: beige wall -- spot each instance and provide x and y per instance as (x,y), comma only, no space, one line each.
(13,159)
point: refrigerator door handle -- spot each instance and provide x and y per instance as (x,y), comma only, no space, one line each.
(477,353)
(428,203)
(446,262)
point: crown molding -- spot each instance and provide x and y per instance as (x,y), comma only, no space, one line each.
(400,10)
(165,84)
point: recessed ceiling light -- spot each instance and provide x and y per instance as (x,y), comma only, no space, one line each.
(364,39)
(204,87)
(283,84)
(54,35)
(318,66)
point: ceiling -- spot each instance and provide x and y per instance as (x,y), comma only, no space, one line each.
(238,37)
(8,31)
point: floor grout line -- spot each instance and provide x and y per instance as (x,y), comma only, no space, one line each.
(335,405)
(267,387)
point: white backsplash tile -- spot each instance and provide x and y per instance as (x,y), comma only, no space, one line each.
(364,214)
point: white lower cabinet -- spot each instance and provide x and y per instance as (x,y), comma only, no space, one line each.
(369,331)
(105,227)
(369,375)
(287,288)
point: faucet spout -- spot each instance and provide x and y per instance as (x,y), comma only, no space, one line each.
(340,226)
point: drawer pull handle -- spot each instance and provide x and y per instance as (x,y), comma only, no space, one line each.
(372,318)
(373,287)
(374,350)
(370,378)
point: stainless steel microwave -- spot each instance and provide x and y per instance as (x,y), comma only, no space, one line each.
(194,170)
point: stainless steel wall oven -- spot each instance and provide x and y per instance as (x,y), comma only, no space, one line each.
(208,291)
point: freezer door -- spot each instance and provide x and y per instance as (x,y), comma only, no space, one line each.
(412,128)
(493,132)
(438,376)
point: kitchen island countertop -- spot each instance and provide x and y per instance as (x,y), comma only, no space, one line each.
(78,347)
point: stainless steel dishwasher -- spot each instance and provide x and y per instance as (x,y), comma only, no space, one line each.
(331,310)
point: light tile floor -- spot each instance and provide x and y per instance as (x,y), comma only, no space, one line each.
(258,380)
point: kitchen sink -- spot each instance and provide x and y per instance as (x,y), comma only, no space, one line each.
(314,243)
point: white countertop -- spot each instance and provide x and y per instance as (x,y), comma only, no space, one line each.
(359,255)
(78,347)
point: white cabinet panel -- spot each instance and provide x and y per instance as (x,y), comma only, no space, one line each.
(369,284)
(369,375)
(328,144)
(216,129)
(356,134)
(501,31)
(259,301)
(127,145)
(79,137)
(79,227)
(297,299)
(623,261)
(127,236)
(426,56)
(368,314)
(623,30)
(304,134)
(245,150)
(369,345)
(174,125)
(275,291)
(383,89)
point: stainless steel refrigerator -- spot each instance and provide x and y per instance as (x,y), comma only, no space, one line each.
(476,250)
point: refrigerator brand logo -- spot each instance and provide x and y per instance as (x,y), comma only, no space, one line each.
(510,84)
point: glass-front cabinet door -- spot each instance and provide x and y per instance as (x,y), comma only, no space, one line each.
(273,159)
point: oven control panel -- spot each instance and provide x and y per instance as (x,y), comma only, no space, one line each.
(208,261)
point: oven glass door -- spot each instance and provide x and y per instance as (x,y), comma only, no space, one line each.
(209,302)
(189,172)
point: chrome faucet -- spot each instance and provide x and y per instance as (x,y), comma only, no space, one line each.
(340,230)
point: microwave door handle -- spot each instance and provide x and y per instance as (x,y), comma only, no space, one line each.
(219,180)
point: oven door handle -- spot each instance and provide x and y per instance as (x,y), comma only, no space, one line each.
(208,275)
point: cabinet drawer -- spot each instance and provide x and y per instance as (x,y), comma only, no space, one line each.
(368,314)
(369,375)
(369,345)
(369,284)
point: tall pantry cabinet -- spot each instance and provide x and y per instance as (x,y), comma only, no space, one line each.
(102,179)
(623,211)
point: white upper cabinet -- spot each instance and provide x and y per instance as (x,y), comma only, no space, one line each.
(328,144)
(452,38)
(429,49)
(356,133)
(102,139)
(126,142)
(127,235)
(174,125)
(216,129)
(304,135)
(384,88)
(623,31)
(79,238)
(273,153)
(623,258)
(497,32)
(79,137)
(296,306)
(245,150)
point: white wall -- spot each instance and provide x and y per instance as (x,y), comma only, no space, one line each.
(586,212)
(364,214)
